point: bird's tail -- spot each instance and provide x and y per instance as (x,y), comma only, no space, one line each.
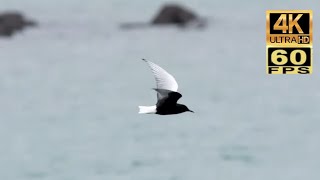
(147,109)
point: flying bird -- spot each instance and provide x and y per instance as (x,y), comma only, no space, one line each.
(167,94)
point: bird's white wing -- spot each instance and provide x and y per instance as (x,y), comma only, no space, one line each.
(164,80)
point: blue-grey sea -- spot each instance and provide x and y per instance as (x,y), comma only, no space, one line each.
(70,90)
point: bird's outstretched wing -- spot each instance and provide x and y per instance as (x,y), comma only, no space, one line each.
(164,80)
(167,97)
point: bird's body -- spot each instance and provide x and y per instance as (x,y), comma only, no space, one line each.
(167,94)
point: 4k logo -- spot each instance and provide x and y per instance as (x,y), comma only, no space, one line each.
(286,23)
(289,41)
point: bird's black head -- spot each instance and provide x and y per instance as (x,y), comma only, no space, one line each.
(183,108)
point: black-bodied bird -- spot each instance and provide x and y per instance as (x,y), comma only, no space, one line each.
(167,94)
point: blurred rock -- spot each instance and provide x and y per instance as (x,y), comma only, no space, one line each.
(174,14)
(11,22)
(171,14)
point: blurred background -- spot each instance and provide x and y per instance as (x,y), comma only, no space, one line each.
(70,87)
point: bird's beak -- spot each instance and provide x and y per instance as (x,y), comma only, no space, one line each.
(191,111)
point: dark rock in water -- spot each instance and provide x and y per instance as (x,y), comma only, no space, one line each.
(174,14)
(171,14)
(11,22)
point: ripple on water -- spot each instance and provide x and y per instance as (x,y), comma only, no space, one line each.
(237,153)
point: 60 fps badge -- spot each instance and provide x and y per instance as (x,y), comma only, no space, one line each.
(289,41)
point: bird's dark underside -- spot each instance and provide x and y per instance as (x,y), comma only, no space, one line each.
(174,109)
(167,103)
